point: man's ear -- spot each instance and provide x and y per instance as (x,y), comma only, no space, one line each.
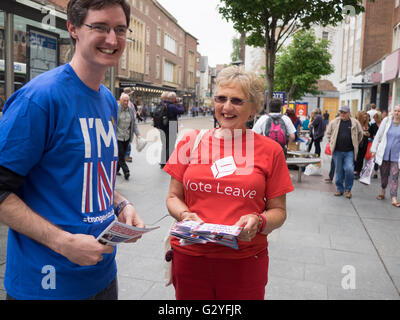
(72,30)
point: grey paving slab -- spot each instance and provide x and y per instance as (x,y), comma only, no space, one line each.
(352,244)
(307,239)
(296,253)
(159,292)
(385,235)
(286,269)
(340,225)
(288,289)
(335,293)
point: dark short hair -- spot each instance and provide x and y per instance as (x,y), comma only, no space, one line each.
(275,105)
(77,10)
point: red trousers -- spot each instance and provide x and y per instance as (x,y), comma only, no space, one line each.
(200,278)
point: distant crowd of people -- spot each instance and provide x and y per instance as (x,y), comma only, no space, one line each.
(352,141)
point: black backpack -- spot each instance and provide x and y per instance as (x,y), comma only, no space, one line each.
(160,116)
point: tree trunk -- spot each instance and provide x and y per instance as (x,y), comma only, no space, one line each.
(242,54)
(290,93)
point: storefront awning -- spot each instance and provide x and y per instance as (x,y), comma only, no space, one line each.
(376,77)
(391,66)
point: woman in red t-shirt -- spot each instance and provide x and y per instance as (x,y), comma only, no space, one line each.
(232,177)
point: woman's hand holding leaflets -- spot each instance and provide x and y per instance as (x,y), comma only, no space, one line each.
(187,215)
(249,222)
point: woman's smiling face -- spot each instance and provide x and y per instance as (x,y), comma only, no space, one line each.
(232,114)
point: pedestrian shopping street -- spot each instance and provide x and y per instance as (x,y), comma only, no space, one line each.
(328,248)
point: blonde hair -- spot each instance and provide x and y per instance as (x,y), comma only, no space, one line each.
(250,83)
(377,116)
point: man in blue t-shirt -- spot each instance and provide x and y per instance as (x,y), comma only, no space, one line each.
(58,160)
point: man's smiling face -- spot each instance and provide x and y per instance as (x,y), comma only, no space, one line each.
(100,50)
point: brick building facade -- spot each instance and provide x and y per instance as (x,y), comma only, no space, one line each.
(159,56)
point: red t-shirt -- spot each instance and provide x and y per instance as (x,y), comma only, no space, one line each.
(224,179)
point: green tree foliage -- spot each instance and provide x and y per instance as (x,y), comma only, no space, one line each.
(301,64)
(268,23)
(235,55)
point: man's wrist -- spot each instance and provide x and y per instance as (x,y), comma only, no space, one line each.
(118,209)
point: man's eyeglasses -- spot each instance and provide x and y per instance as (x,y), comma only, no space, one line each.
(120,31)
(233,100)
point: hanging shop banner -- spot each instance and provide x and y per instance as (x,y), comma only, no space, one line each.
(301,109)
(42,51)
(291,106)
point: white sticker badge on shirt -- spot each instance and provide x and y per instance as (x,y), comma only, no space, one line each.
(223,167)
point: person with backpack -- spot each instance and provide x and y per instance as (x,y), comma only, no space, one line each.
(275,125)
(165,118)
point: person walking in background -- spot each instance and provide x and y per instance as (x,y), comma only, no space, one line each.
(317,128)
(372,112)
(170,131)
(386,150)
(306,123)
(295,120)
(211,271)
(126,128)
(363,119)
(326,118)
(344,135)
(373,131)
(282,124)
(128,157)
(50,162)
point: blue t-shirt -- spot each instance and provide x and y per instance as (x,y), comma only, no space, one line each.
(60,135)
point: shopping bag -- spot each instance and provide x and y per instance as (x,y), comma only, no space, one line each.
(313,169)
(140,143)
(366,172)
(368,155)
(168,256)
(328,150)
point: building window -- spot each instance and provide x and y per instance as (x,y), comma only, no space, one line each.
(148,36)
(123,60)
(325,35)
(190,80)
(157,67)
(169,43)
(168,71)
(141,6)
(133,3)
(180,51)
(159,36)
(179,75)
(146,10)
(396,37)
(397,3)
(147,63)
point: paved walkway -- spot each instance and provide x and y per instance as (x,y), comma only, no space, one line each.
(329,247)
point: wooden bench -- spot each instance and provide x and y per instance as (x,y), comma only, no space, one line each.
(301,162)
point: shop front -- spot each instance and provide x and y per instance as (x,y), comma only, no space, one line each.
(33,39)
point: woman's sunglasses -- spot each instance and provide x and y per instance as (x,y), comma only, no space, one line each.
(234,101)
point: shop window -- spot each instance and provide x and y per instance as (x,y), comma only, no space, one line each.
(50,49)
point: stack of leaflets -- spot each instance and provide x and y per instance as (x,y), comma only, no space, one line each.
(191,232)
(118,232)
